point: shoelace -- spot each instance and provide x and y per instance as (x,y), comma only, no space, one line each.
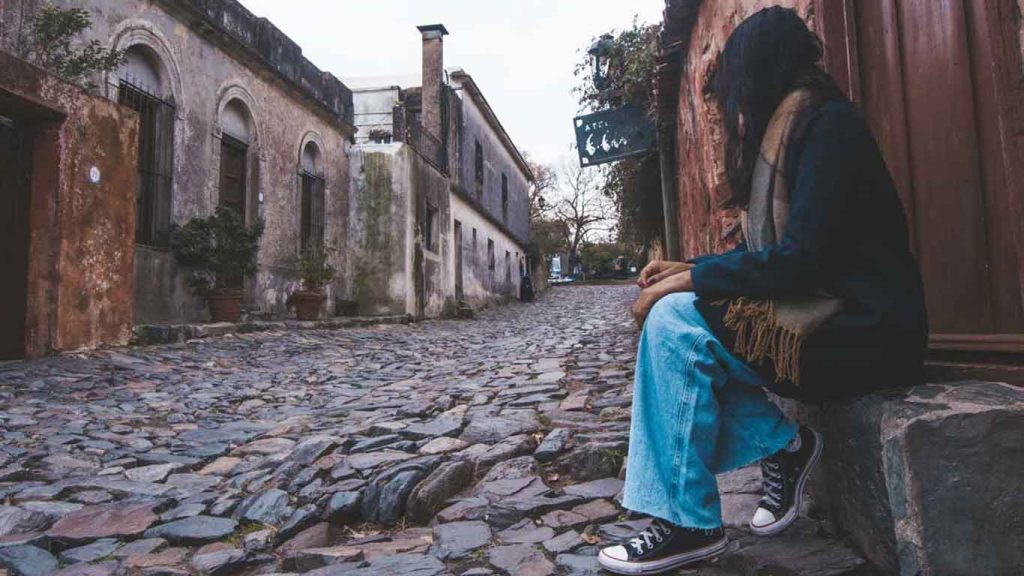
(771,472)
(655,533)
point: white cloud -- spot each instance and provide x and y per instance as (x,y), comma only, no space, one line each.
(520,53)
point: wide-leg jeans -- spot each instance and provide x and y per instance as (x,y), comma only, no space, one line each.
(698,411)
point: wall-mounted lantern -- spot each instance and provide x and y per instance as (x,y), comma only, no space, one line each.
(599,52)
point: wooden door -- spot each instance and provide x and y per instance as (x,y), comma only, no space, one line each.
(934,78)
(15,192)
(233,174)
(458,261)
(233,193)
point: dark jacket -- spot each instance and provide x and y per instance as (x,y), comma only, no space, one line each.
(846,235)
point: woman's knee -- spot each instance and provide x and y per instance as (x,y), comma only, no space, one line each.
(674,313)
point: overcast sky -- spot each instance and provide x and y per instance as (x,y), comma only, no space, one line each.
(520,53)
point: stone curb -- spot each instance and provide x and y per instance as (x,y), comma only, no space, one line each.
(151,334)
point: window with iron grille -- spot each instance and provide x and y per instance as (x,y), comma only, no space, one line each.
(312,216)
(479,163)
(490,255)
(504,196)
(508,267)
(155,162)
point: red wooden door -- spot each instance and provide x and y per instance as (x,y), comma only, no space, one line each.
(935,79)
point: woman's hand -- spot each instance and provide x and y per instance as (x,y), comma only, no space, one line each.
(678,282)
(658,270)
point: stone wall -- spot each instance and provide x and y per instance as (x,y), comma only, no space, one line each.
(15,16)
(244,62)
(498,160)
(482,286)
(81,207)
(433,274)
(390,269)
(700,155)
(379,233)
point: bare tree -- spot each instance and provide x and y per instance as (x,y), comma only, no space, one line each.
(544,182)
(582,207)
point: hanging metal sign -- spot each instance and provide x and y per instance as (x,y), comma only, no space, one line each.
(612,135)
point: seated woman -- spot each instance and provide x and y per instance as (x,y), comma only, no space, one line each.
(824,300)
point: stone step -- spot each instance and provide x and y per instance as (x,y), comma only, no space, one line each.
(926,480)
(792,555)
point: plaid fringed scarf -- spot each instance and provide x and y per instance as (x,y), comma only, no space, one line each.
(775,329)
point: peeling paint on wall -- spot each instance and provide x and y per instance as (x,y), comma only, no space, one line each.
(81,228)
(701,180)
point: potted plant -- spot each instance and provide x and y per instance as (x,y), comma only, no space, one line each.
(316,272)
(221,250)
(380,136)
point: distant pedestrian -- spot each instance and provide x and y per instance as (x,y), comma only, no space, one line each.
(526,289)
(824,299)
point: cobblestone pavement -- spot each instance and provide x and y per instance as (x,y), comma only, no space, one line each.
(486,446)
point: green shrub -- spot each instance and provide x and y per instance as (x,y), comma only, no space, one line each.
(218,248)
(315,267)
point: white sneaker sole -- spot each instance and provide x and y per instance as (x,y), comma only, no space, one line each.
(664,564)
(791,516)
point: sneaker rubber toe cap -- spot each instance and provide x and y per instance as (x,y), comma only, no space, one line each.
(763,518)
(618,553)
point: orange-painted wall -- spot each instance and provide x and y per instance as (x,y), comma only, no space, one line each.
(82,232)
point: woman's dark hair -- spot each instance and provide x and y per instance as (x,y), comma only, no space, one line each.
(769,55)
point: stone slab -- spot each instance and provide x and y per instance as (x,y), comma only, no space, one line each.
(926,480)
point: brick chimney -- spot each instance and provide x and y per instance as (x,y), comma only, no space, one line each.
(433,76)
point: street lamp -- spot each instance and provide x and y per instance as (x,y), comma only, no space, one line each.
(599,52)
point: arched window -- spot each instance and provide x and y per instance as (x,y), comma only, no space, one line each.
(311,220)
(237,133)
(143,85)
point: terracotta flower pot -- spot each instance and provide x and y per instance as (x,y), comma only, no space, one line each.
(225,305)
(308,304)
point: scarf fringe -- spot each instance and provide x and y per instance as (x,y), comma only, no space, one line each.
(759,337)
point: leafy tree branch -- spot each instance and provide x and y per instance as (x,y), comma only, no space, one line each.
(51,45)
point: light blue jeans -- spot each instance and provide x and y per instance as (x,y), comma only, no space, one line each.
(698,411)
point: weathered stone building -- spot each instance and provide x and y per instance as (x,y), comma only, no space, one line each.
(458,188)
(230,113)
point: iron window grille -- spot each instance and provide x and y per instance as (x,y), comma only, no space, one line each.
(155,163)
(312,225)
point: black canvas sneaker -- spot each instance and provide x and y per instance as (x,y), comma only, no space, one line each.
(662,547)
(783,476)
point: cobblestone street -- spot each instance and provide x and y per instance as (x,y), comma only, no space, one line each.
(485,446)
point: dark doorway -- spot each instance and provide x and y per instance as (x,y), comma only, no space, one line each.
(458,261)
(15,194)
